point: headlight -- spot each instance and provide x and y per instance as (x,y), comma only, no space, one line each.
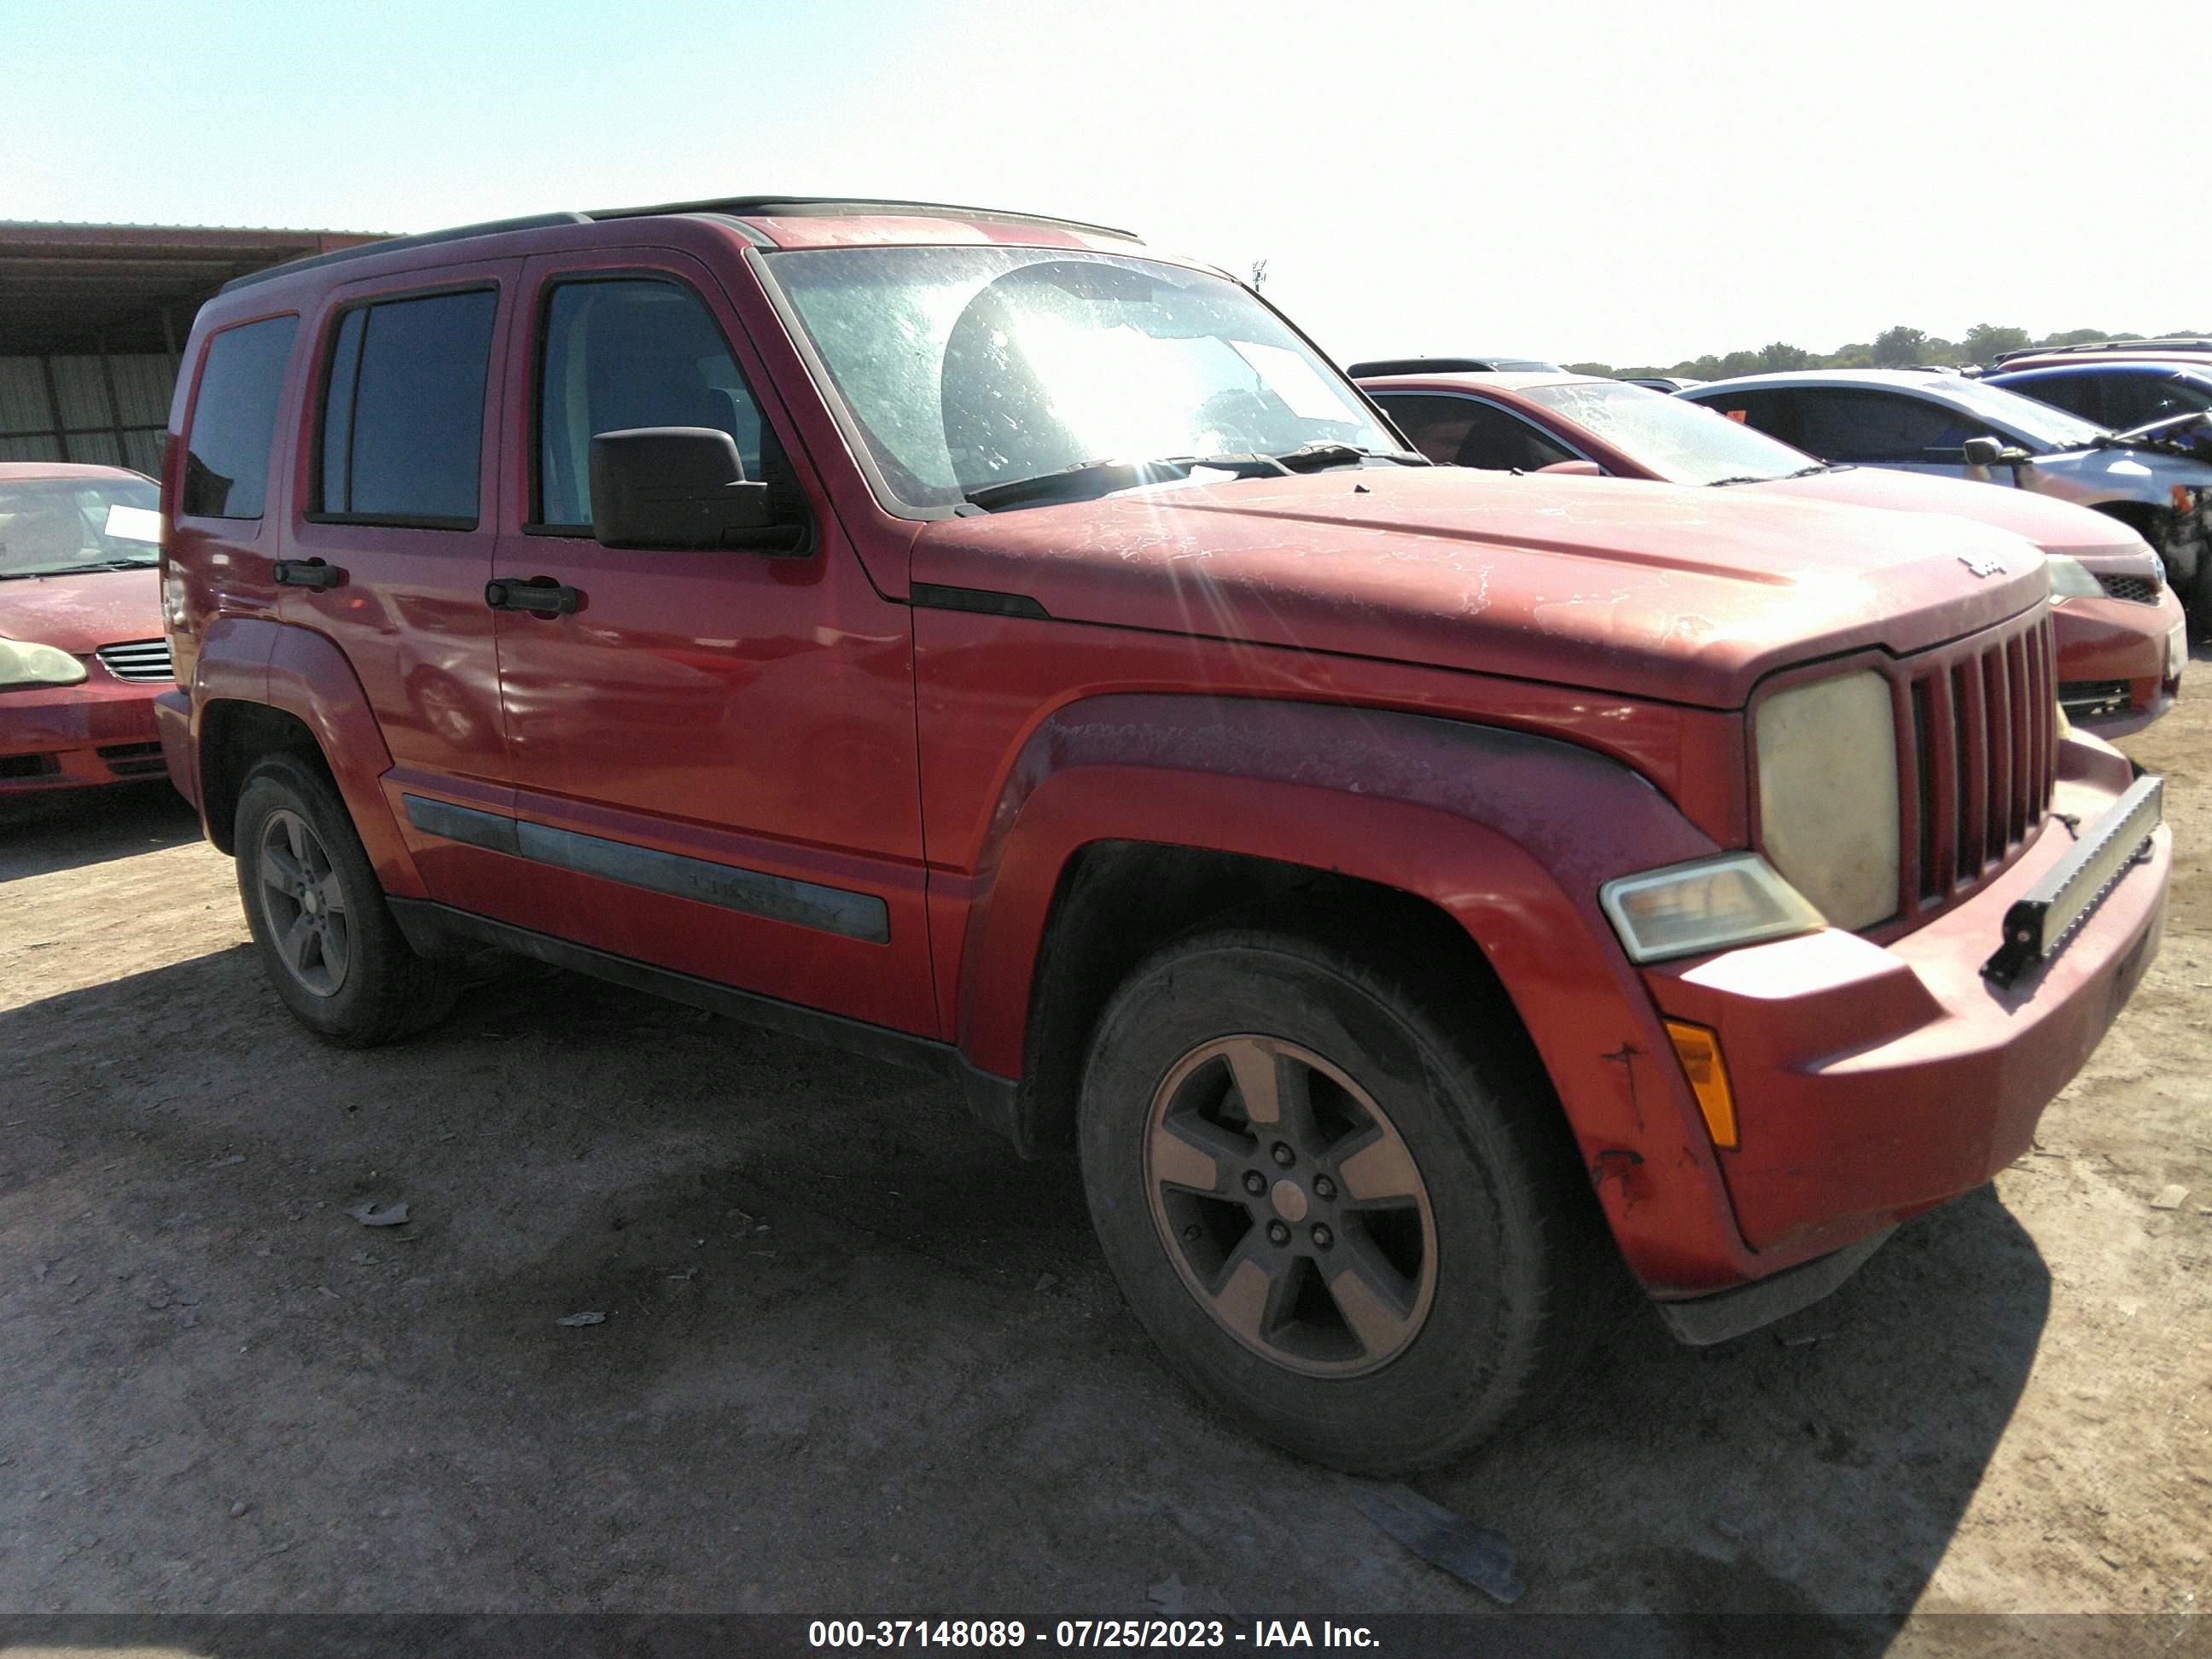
(1687,908)
(25,663)
(1827,794)
(2070,578)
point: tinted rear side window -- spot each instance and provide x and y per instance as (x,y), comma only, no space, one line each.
(234,419)
(403,416)
(1847,425)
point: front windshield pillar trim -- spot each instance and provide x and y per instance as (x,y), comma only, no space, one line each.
(825,388)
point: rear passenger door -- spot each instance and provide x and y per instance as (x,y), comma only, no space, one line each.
(390,541)
(719,745)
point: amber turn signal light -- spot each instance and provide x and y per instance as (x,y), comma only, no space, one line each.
(1700,1051)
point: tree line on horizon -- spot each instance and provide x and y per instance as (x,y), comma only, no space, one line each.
(1902,347)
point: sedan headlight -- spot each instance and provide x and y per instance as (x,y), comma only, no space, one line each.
(2070,578)
(1827,794)
(25,663)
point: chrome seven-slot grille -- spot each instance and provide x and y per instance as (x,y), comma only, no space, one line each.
(1978,725)
(136,659)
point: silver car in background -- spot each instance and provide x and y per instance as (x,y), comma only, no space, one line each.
(2158,480)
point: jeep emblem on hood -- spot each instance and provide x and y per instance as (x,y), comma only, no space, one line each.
(1983,564)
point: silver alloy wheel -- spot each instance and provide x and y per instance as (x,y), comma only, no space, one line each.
(1291,1205)
(302,903)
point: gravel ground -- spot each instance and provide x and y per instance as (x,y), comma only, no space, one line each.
(856,1358)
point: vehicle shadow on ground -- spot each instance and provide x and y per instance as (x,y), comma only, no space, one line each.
(68,829)
(1817,1469)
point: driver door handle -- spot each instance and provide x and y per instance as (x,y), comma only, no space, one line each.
(540,594)
(306,573)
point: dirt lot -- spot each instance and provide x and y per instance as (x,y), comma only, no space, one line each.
(855,1358)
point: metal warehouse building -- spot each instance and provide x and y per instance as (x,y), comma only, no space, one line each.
(91,319)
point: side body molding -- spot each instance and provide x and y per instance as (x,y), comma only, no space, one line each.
(1511,834)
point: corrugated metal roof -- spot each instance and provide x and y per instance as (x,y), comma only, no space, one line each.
(217,230)
(68,287)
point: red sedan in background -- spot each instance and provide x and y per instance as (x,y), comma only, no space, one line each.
(2122,637)
(82,652)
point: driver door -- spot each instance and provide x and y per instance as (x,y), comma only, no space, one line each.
(718,746)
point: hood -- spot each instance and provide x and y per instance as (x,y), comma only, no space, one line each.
(1646,590)
(2056,526)
(79,614)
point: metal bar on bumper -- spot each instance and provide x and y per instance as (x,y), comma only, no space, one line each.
(2039,920)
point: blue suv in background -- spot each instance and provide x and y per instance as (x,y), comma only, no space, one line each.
(2120,396)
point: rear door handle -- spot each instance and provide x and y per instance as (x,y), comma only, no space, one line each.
(306,573)
(539,593)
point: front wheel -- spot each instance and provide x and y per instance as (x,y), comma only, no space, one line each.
(327,940)
(1347,1212)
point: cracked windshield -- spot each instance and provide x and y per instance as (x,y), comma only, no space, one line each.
(970,370)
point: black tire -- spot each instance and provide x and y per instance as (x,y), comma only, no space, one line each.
(1521,1260)
(383,990)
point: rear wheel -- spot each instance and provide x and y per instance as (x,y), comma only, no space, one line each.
(327,940)
(1346,1217)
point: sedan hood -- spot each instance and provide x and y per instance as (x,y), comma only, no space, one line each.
(1640,589)
(2054,526)
(81,613)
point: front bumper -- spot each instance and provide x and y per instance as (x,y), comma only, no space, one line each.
(2119,662)
(74,737)
(1875,1081)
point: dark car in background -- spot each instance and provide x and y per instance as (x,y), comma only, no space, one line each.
(2158,482)
(82,652)
(2120,631)
(2115,394)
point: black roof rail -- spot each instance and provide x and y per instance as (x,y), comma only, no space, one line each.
(393,244)
(797,207)
(736,206)
(2159,343)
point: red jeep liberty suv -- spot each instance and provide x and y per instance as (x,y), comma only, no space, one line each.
(981,640)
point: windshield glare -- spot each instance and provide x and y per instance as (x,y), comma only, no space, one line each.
(1684,443)
(2044,426)
(48,525)
(964,368)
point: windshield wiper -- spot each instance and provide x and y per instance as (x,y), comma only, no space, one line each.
(95,564)
(1317,457)
(1089,480)
(1744,477)
(2166,430)
(1085,481)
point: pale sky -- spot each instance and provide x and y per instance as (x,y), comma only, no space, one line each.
(1632,182)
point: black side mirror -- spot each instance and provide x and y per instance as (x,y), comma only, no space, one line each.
(681,486)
